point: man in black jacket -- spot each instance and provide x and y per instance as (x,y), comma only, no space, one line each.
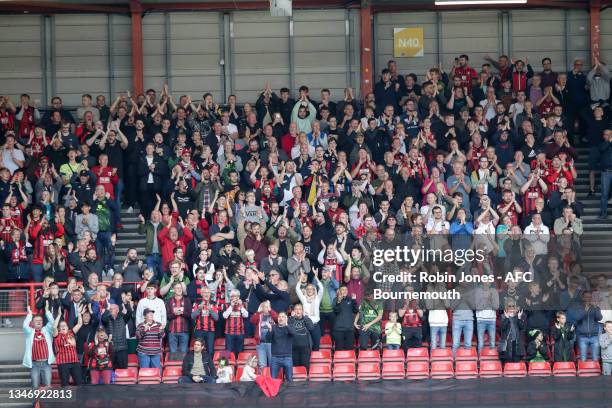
(302,340)
(197,366)
(114,321)
(281,336)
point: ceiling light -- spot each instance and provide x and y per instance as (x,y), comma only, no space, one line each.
(477,2)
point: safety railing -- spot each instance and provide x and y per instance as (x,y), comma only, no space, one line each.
(15,297)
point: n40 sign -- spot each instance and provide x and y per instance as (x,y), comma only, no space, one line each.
(408,42)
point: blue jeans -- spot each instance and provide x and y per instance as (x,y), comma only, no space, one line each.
(234,343)
(209,339)
(154,262)
(37,272)
(40,368)
(467,328)
(264,354)
(393,346)
(104,248)
(436,332)
(286,363)
(148,360)
(178,342)
(606,180)
(584,342)
(483,326)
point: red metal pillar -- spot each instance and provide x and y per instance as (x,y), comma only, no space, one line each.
(367,62)
(137,53)
(594,15)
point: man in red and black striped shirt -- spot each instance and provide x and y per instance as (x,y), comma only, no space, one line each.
(234,317)
(178,310)
(149,334)
(204,316)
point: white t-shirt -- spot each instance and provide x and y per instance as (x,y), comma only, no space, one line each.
(8,160)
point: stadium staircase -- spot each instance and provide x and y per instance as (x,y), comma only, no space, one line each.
(13,376)
(128,237)
(596,253)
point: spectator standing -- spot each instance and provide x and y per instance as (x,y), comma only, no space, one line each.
(281,338)
(178,311)
(149,334)
(38,355)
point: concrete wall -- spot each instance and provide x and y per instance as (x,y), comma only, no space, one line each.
(238,52)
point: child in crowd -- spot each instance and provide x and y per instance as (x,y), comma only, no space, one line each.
(537,349)
(249,373)
(564,335)
(393,331)
(224,372)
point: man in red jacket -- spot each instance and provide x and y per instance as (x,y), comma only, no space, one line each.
(169,239)
(106,175)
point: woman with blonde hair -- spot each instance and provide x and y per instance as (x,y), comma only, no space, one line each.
(311,301)
(249,373)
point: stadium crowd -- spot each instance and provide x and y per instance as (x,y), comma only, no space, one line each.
(260,220)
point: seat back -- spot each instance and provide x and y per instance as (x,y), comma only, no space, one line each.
(490,369)
(368,371)
(515,369)
(444,354)
(393,370)
(442,370)
(417,354)
(466,369)
(344,372)
(393,355)
(417,370)
(539,369)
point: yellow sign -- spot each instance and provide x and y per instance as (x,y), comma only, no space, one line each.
(408,42)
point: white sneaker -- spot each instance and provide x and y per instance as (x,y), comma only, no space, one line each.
(8,324)
(130,210)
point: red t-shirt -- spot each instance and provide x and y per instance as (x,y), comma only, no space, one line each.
(40,352)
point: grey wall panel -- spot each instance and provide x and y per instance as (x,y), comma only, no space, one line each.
(320,51)
(194,54)
(260,47)
(606,36)
(20,56)
(475,33)
(81,56)
(540,33)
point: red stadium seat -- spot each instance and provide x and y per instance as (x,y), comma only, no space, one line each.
(488,354)
(149,376)
(445,354)
(539,369)
(369,356)
(393,356)
(368,371)
(171,374)
(169,361)
(239,371)
(126,375)
(441,370)
(417,370)
(417,354)
(132,360)
(588,368)
(464,354)
(343,372)
(344,356)
(250,344)
(515,369)
(231,359)
(300,373)
(266,372)
(564,369)
(490,369)
(466,370)
(244,356)
(320,357)
(326,342)
(393,370)
(220,344)
(320,372)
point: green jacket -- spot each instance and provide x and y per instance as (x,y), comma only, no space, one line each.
(150,232)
